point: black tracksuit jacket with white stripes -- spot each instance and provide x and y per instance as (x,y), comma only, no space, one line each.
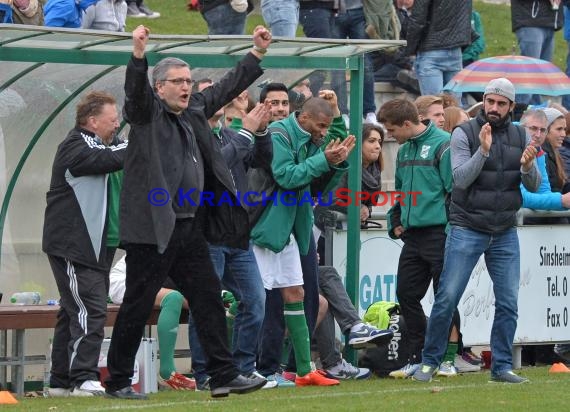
(75,223)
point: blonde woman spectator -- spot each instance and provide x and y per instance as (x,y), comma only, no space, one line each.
(448,100)
(454,116)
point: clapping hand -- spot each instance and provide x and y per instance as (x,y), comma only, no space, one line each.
(527,157)
(337,151)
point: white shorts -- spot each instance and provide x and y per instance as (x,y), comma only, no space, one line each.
(280,270)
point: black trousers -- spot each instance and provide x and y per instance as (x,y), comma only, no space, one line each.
(81,320)
(187,262)
(421,261)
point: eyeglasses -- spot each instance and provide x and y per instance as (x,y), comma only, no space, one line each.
(180,80)
(534,129)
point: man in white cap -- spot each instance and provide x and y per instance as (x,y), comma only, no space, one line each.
(489,158)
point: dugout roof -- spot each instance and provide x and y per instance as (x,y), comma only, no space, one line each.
(43,72)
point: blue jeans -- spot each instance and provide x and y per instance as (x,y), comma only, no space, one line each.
(317,22)
(435,68)
(502,257)
(239,273)
(352,25)
(225,20)
(537,42)
(281,16)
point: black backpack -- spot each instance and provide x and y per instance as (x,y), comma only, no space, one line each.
(390,357)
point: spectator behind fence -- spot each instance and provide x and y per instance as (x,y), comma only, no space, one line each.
(431,108)
(137,9)
(170,301)
(350,23)
(396,66)
(482,217)
(225,16)
(281,16)
(534,23)
(317,20)
(109,15)
(65,13)
(472,52)
(78,226)
(448,100)
(372,166)
(536,124)
(554,139)
(437,30)
(29,12)
(454,116)
(169,240)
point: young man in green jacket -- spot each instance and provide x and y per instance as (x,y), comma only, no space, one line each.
(419,218)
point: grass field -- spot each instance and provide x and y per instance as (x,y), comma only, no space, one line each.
(175,19)
(469,392)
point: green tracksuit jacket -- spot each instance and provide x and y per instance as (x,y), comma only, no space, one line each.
(296,163)
(423,166)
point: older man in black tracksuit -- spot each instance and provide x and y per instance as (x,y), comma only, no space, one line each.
(75,239)
(174,157)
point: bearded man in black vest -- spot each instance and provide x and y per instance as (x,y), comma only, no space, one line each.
(489,158)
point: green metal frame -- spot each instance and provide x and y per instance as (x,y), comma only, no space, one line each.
(42,45)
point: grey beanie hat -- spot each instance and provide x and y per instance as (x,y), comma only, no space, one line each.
(502,87)
(551,115)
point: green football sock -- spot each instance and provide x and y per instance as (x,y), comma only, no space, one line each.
(167,328)
(450,352)
(299,336)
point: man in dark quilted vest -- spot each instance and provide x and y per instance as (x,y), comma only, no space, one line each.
(489,158)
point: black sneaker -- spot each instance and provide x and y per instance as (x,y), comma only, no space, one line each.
(126,393)
(133,11)
(240,385)
(408,78)
(148,13)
